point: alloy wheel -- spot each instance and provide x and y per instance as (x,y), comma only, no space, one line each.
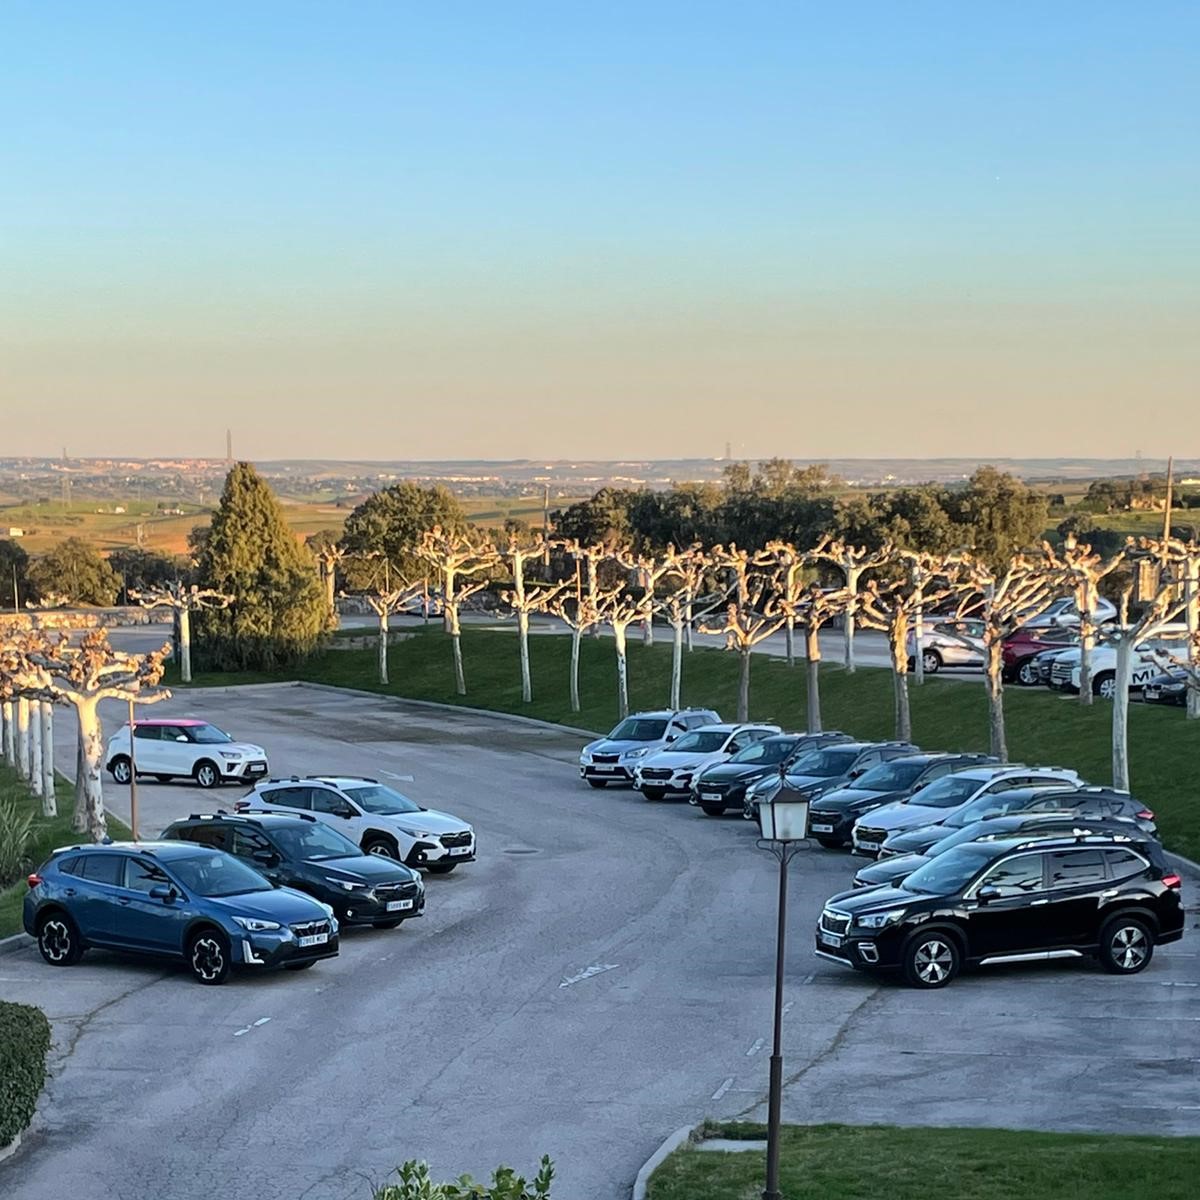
(55,940)
(208,958)
(121,772)
(1108,689)
(380,850)
(1129,947)
(206,776)
(1027,675)
(933,961)
(931,662)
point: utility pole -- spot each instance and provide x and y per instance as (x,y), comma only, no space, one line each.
(229,447)
(1167,505)
(546,526)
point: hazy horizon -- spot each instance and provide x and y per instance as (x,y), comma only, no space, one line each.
(602,235)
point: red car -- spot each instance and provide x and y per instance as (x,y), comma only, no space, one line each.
(1022,644)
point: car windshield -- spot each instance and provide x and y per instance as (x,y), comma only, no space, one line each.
(639,729)
(967,834)
(207,735)
(998,804)
(764,752)
(216,874)
(834,760)
(310,841)
(381,800)
(889,777)
(948,792)
(950,872)
(702,741)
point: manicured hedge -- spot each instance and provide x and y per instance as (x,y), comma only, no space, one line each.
(24,1042)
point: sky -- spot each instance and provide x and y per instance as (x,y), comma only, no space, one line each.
(480,230)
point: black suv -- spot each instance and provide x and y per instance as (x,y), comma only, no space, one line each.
(723,785)
(832,814)
(1011,899)
(300,852)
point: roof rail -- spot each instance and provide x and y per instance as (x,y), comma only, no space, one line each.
(274,812)
(326,778)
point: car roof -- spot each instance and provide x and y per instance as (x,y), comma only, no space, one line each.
(166,850)
(1065,842)
(987,771)
(256,817)
(338,781)
(932,756)
(187,722)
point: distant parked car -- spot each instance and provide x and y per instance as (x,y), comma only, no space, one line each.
(612,759)
(173,900)
(949,644)
(1020,649)
(1171,687)
(672,770)
(1007,900)
(722,787)
(1042,663)
(174,748)
(1144,666)
(1064,611)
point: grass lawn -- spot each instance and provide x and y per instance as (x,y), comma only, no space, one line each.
(847,1162)
(47,834)
(948,714)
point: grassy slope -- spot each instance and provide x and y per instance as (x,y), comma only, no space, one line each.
(947,714)
(840,1162)
(47,834)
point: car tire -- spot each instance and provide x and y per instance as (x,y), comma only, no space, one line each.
(931,959)
(1104,685)
(312,962)
(121,770)
(382,847)
(1027,675)
(208,957)
(712,810)
(931,660)
(597,783)
(59,940)
(1126,946)
(390,923)
(440,868)
(652,793)
(207,774)
(829,843)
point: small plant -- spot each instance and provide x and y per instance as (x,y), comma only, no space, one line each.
(15,829)
(415,1183)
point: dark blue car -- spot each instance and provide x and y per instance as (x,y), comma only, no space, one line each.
(173,900)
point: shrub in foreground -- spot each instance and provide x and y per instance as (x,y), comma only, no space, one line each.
(414,1183)
(24,1042)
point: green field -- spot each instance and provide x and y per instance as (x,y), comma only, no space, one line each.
(847,1162)
(948,714)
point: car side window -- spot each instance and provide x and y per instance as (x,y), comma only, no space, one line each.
(738,744)
(1092,809)
(326,800)
(147,733)
(141,876)
(206,835)
(936,771)
(245,842)
(1016,876)
(1123,863)
(698,719)
(290,797)
(70,866)
(1075,868)
(102,868)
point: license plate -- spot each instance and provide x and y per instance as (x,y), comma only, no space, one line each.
(314,939)
(822,829)
(868,845)
(460,850)
(710,795)
(256,769)
(1151,693)
(833,940)
(398,905)
(606,770)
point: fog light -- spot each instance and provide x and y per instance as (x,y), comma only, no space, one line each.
(248,954)
(868,951)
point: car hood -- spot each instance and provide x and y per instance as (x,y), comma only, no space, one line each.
(429,821)
(862,900)
(248,749)
(916,841)
(906,816)
(608,746)
(363,868)
(812,783)
(678,760)
(843,797)
(891,869)
(723,772)
(279,904)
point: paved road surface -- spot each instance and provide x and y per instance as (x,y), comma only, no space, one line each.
(600,977)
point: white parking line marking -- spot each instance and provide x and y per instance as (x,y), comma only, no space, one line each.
(787,1008)
(262,1020)
(758,1045)
(725,1086)
(1176,983)
(588,972)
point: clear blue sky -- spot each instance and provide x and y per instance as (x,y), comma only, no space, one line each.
(606,230)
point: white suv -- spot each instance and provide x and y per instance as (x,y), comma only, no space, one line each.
(674,768)
(377,817)
(171,748)
(612,759)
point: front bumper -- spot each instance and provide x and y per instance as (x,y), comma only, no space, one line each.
(277,947)
(724,798)
(362,909)
(247,770)
(868,840)
(858,950)
(610,772)
(833,824)
(679,783)
(433,850)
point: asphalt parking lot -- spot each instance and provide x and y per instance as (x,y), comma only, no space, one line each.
(601,976)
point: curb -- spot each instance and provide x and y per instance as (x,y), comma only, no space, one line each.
(11,1149)
(10,945)
(679,1138)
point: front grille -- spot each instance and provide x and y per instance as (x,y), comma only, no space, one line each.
(392,891)
(834,922)
(656,773)
(718,788)
(870,835)
(606,758)
(1061,673)
(456,839)
(1044,669)
(884,852)
(311,929)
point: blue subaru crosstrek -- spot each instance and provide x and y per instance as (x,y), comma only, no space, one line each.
(174,900)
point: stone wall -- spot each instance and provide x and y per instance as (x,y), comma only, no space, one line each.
(83,618)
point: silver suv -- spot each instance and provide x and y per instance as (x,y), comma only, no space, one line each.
(612,759)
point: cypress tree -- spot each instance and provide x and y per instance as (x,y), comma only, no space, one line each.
(279,612)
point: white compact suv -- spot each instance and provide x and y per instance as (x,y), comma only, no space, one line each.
(377,817)
(672,770)
(1066,673)
(171,748)
(612,759)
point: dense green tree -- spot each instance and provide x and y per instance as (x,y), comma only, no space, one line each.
(602,518)
(279,612)
(141,570)
(1003,514)
(75,570)
(389,525)
(14,564)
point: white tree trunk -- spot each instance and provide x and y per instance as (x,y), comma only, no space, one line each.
(676,660)
(743,706)
(523,638)
(789,638)
(852,578)
(1120,718)
(918,648)
(576,638)
(23,738)
(1087,643)
(899,639)
(383,648)
(79,814)
(813,669)
(92,740)
(622,672)
(995,693)
(689,617)
(648,629)
(4,729)
(185,644)
(49,804)
(1192,593)
(35,747)
(10,733)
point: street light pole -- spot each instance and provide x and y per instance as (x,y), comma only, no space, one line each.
(133,812)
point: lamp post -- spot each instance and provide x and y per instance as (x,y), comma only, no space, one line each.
(783,822)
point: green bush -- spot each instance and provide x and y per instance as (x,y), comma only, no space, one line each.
(24,1042)
(16,826)
(414,1183)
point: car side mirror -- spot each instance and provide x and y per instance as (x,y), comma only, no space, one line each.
(163,892)
(986,895)
(180,737)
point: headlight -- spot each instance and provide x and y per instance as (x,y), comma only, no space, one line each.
(636,753)
(879,920)
(345,884)
(254,925)
(230,753)
(416,833)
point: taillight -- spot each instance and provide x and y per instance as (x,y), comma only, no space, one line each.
(1172,881)
(34,880)
(1145,815)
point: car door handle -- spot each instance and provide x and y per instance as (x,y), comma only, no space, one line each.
(1035,903)
(1108,895)
(68,891)
(122,899)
